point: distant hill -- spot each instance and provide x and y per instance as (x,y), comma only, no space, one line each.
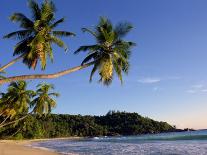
(64,125)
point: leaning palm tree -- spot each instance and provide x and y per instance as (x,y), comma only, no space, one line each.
(15,101)
(110,53)
(37,35)
(44,102)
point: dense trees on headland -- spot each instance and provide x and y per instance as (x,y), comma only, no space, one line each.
(63,125)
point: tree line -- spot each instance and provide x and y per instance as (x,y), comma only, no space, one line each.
(114,123)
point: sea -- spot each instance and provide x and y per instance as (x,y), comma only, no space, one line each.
(174,143)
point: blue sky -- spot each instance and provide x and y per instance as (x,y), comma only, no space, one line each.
(168,77)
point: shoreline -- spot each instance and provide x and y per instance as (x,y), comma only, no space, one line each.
(23,147)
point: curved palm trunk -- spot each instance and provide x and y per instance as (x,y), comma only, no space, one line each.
(11,63)
(4,121)
(45,76)
(5,124)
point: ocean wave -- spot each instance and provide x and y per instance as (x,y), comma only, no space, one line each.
(186,143)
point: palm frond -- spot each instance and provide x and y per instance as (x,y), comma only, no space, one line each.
(118,70)
(36,11)
(54,94)
(104,23)
(22,34)
(86,48)
(95,67)
(123,29)
(58,42)
(89,31)
(62,33)
(22,19)
(89,57)
(55,24)
(47,11)
(125,67)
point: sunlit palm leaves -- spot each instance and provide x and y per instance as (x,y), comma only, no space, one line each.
(44,101)
(37,34)
(16,100)
(110,53)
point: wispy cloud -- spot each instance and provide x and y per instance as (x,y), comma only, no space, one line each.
(198,88)
(173,78)
(191,91)
(149,80)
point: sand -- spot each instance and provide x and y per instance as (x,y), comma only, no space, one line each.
(19,148)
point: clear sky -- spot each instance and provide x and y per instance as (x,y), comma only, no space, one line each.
(168,76)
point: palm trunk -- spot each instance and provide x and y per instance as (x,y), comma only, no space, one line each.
(11,63)
(22,118)
(15,132)
(45,76)
(2,113)
(2,125)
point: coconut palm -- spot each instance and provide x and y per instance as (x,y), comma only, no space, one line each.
(110,53)
(37,34)
(15,101)
(44,102)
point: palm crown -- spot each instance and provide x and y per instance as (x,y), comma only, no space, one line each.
(44,101)
(37,35)
(110,53)
(16,100)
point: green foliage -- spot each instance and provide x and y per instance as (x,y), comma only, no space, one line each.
(18,137)
(44,103)
(62,125)
(18,101)
(110,53)
(37,34)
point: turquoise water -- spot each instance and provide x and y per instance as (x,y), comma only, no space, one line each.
(177,143)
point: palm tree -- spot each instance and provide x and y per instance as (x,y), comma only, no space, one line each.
(110,53)
(15,101)
(44,102)
(37,34)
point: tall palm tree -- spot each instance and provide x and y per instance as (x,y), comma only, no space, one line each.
(15,101)
(37,34)
(44,102)
(110,53)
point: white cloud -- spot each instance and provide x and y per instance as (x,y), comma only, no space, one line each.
(149,80)
(204,90)
(173,78)
(198,88)
(191,91)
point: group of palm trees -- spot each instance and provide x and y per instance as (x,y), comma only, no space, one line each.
(18,102)
(108,55)
(110,52)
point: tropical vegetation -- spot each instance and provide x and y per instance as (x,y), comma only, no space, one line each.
(19,102)
(19,106)
(114,123)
